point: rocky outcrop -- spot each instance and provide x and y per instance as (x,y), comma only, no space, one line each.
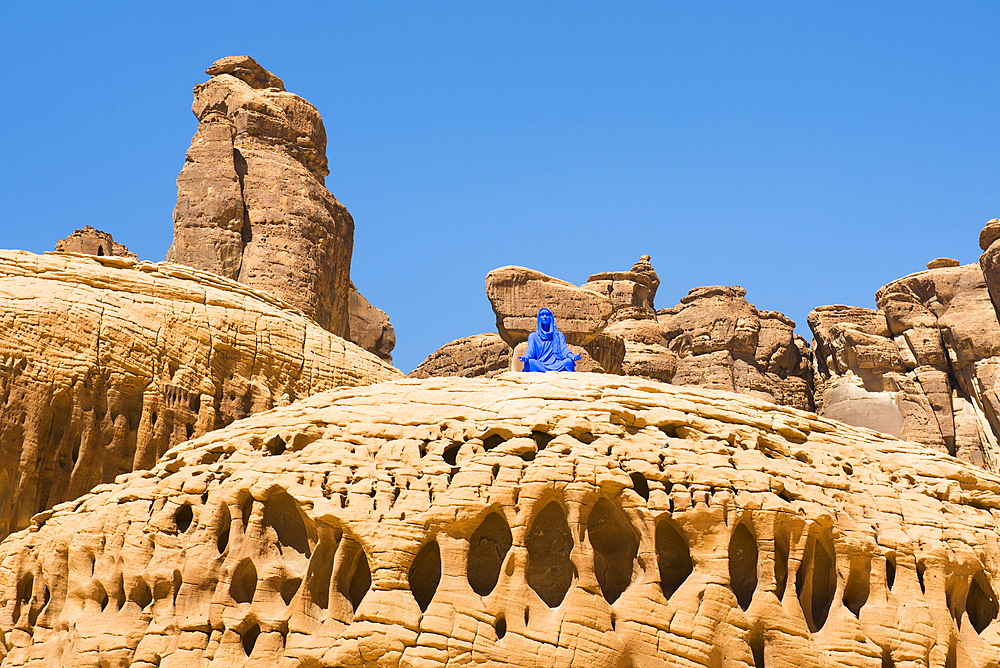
(922,367)
(105,363)
(482,355)
(557,520)
(516,294)
(722,341)
(251,200)
(93,242)
(369,327)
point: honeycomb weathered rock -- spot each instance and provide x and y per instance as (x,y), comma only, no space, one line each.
(531,520)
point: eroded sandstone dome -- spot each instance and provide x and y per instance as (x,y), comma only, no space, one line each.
(530,520)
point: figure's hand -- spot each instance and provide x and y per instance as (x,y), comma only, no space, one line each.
(523,359)
(577,357)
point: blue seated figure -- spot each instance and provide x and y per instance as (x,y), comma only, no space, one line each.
(547,349)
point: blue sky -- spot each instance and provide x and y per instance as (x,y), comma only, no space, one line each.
(810,152)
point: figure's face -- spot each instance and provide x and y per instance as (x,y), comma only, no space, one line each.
(546,320)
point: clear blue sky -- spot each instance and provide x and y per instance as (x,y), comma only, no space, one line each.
(810,152)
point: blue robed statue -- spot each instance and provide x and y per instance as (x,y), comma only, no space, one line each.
(547,349)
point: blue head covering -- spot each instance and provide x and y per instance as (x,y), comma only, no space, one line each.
(546,333)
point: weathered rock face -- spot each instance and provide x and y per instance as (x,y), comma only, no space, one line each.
(105,363)
(251,200)
(93,242)
(369,327)
(922,367)
(721,341)
(516,294)
(482,355)
(549,520)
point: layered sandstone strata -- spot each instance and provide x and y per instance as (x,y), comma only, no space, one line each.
(469,357)
(558,520)
(251,201)
(106,362)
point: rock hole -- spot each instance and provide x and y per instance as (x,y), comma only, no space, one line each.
(858,585)
(189,429)
(526,615)
(100,250)
(244,583)
(493,441)
(541,439)
(640,485)
(24,590)
(951,661)
(141,595)
(921,567)
(816,580)
(343,499)
(425,574)
(451,453)
(246,509)
(756,642)
(225,524)
(549,542)
(288,589)
(496,471)
(587,438)
(320,572)
(249,638)
(743,565)
(275,446)
(177,581)
(781,541)
(281,513)
(887,658)
(361,581)
(614,622)
(488,548)
(981,603)
(528,455)
(501,627)
(615,547)
(890,569)
(183,517)
(102,598)
(153,419)
(119,593)
(673,558)
(670,432)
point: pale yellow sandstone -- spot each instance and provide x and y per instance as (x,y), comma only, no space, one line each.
(106,362)
(548,520)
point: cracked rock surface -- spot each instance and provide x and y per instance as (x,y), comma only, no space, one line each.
(106,362)
(548,520)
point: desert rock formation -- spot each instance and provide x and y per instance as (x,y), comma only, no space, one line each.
(558,520)
(482,355)
(723,342)
(369,326)
(106,362)
(922,367)
(93,242)
(251,201)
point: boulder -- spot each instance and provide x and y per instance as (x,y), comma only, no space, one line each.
(106,363)
(470,357)
(541,521)
(251,201)
(89,241)
(516,295)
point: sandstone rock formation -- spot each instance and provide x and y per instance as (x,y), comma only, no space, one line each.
(558,520)
(251,200)
(516,294)
(922,367)
(369,327)
(722,341)
(105,363)
(482,355)
(93,242)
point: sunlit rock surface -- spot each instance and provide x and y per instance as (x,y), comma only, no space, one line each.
(548,520)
